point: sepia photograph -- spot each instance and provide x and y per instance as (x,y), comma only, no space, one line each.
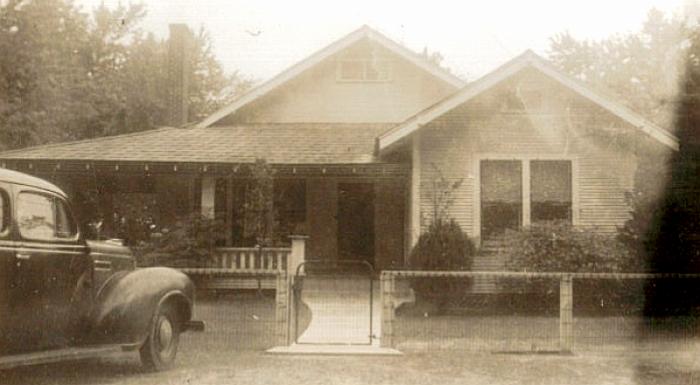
(372,192)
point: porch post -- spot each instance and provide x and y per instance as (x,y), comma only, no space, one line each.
(208,191)
(415,192)
(298,254)
(526,192)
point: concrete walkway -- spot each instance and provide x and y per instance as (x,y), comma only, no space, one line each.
(339,309)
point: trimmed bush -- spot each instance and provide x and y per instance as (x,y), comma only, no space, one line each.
(560,247)
(443,247)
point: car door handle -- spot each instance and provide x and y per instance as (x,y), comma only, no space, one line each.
(23,256)
(103,265)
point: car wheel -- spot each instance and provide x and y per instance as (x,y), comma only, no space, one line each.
(160,348)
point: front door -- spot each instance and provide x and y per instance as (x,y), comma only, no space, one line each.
(356,222)
(501,196)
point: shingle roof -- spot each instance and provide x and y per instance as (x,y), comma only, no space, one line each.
(288,143)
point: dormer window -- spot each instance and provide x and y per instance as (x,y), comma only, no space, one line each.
(364,70)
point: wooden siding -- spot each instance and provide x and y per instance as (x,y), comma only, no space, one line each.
(456,142)
(318,96)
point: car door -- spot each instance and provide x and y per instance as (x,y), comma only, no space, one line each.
(7,271)
(51,265)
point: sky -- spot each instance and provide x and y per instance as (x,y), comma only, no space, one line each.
(260,38)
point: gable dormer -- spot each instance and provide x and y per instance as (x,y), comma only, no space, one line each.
(362,78)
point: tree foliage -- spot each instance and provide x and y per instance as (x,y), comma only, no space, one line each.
(190,242)
(261,216)
(73,75)
(641,68)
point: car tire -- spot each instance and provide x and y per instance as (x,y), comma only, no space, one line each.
(160,348)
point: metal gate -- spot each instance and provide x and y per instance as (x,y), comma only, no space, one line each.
(333,302)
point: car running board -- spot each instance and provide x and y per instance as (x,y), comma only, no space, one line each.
(49,356)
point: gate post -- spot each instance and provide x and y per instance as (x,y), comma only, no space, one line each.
(566,314)
(294,260)
(282,303)
(387,287)
(298,254)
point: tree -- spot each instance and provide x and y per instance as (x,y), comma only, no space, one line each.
(41,91)
(641,68)
(74,75)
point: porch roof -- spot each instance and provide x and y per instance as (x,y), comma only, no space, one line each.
(287,143)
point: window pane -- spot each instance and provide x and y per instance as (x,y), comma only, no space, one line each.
(550,190)
(65,226)
(501,196)
(35,215)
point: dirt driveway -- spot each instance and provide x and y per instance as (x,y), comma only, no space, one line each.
(200,366)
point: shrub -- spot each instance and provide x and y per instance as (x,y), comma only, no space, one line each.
(443,247)
(560,247)
(189,243)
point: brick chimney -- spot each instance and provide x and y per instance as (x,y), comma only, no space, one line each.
(179,51)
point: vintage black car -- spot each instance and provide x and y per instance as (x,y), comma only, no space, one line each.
(62,296)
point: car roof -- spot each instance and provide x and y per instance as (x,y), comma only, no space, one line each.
(16,177)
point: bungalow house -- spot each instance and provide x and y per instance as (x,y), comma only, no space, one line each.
(358,133)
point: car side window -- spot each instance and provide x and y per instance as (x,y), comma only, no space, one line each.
(4,212)
(65,226)
(44,217)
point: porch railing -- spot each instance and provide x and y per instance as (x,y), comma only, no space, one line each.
(252,259)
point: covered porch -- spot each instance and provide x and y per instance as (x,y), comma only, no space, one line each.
(347,212)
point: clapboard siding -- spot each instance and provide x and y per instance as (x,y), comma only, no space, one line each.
(604,180)
(454,143)
(448,153)
(318,96)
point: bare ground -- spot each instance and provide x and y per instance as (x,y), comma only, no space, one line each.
(198,365)
(239,328)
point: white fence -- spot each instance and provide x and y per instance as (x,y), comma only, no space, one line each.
(252,259)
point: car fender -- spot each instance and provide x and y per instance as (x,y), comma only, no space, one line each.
(127,303)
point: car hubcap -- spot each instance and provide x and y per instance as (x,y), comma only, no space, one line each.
(165,335)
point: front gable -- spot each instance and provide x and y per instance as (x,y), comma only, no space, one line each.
(362,78)
(544,93)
